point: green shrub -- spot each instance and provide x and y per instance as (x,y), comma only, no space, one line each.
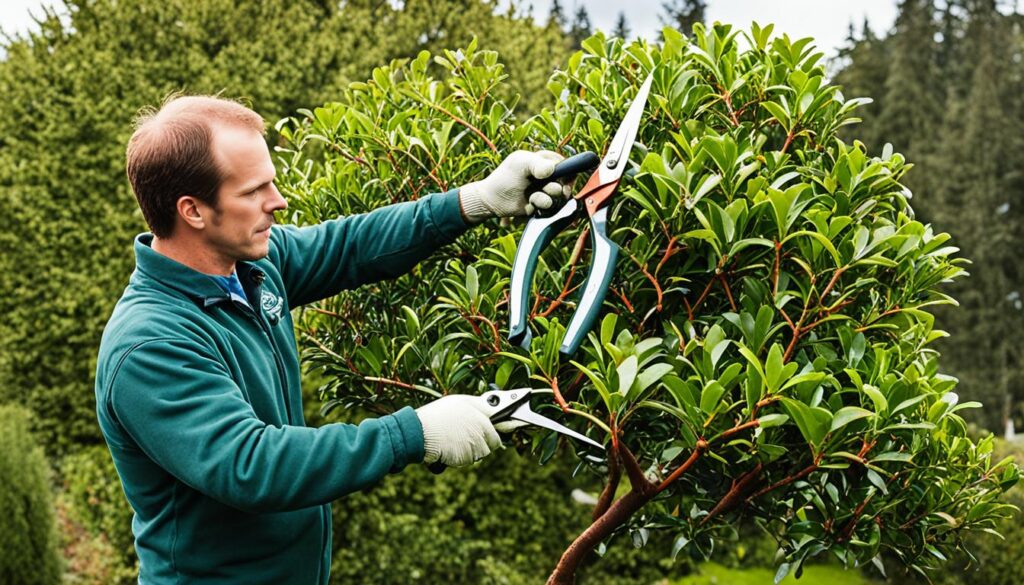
(764,352)
(70,91)
(504,521)
(28,539)
(96,520)
(998,559)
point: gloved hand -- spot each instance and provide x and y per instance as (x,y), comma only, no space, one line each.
(503,193)
(455,431)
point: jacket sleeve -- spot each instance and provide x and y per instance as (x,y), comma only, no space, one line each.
(202,431)
(319,261)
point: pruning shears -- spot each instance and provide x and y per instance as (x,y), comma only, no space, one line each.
(592,201)
(514,405)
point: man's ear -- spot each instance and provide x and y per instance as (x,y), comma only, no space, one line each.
(193,212)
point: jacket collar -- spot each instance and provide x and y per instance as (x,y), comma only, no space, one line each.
(153,266)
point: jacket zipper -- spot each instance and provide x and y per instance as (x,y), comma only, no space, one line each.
(265,329)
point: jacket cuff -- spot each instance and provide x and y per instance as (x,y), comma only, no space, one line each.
(406,437)
(446,214)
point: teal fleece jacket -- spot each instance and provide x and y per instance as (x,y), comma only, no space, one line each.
(199,400)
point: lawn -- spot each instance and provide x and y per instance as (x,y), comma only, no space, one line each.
(714,574)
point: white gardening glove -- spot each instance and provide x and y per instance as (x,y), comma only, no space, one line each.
(504,192)
(456,432)
(507,426)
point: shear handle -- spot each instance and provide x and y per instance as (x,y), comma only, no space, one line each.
(595,288)
(538,234)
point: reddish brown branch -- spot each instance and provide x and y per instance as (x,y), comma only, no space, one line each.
(789,139)
(892,311)
(608,494)
(739,428)
(727,98)
(617,515)
(736,493)
(558,395)
(788,480)
(669,252)
(469,126)
(852,524)
(701,298)
(831,283)
(699,450)
(650,277)
(637,479)
(728,293)
(629,305)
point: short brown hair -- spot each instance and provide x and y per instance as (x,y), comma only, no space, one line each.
(169,154)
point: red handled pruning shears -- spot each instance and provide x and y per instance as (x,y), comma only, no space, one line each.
(593,199)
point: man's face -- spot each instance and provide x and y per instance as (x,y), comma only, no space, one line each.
(239,227)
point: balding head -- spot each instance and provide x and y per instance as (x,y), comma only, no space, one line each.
(170,154)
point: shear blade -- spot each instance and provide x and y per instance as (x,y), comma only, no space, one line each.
(527,415)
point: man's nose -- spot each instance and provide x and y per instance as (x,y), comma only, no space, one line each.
(276,202)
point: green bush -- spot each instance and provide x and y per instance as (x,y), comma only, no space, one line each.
(70,91)
(997,559)
(764,352)
(503,522)
(28,539)
(97,520)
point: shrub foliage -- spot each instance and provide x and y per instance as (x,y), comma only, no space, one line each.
(764,348)
(28,536)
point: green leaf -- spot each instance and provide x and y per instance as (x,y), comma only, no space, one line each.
(711,396)
(892,456)
(627,374)
(781,573)
(772,420)
(608,327)
(598,383)
(813,422)
(876,396)
(472,283)
(756,363)
(847,415)
(649,376)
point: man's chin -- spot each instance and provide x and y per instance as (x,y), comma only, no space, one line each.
(258,252)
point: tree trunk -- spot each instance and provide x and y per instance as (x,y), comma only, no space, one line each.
(617,515)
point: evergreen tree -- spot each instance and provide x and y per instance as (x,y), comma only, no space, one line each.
(949,86)
(581,27)
(683,14)
(864,64)
(621,29)
(556,18)
(978,196)
(912,97)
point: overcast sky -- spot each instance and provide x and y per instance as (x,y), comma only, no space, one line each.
(825,20)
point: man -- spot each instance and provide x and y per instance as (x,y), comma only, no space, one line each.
(197,381)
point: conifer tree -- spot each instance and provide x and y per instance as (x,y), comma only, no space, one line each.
(556,17)
(621,29)
(683,14)
(977,197)
(581,27)
(864,64)
(912,100)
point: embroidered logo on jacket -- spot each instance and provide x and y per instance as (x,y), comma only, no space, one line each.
(272,304)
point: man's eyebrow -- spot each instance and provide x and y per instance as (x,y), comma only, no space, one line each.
(252,187)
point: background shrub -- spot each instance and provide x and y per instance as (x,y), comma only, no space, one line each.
(28,539)
(96,520)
